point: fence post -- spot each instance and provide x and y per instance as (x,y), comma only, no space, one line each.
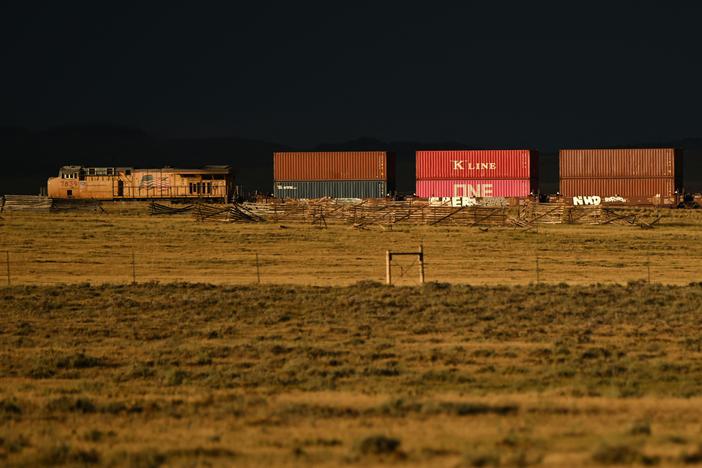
(421,263)
(133,268)
(538,277)
(258,271)
(7,258)
(388,277)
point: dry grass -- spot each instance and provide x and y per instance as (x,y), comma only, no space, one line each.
(332,368)
(182,374)
(96,248)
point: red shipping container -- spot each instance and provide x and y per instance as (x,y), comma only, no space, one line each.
(334,165)
(632,189)
(628,162)
(476,164)
(474,188)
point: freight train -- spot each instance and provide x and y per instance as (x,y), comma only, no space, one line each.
(212,183)
(650,176)
(600,176)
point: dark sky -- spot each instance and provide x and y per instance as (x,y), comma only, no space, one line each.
(537,74)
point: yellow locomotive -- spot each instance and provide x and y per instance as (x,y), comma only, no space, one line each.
(214,183)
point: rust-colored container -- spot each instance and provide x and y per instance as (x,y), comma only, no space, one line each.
(629,162)
(630,175)
(476,164)
(475,188)
(334,165)
(632,190)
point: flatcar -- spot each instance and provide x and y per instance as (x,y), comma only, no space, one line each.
(212,183)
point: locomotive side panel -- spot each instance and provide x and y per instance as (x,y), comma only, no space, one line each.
(141,184)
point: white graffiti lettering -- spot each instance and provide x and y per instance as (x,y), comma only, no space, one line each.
(467,201)
(464,201)
(615,199)
(585,200)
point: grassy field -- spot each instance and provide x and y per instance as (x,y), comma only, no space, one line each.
(321,364)
(439,375)
(98,248)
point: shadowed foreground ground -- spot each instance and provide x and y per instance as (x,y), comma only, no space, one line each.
(177,374)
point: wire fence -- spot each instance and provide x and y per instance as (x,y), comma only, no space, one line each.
(22,268)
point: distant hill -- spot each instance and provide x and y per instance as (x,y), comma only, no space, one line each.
(33,156)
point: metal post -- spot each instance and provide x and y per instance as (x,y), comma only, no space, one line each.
(133,268)
(258,271)
(388,259)
(421,264)
(7,256)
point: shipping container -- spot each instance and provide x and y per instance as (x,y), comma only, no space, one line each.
(475,188)
(617,163)
(337,165)
(330,188)
(632,190)
(476,164)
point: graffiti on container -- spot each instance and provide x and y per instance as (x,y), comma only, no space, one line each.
(462,165)
(467,201)
(472,190)
(493,201)
(585,200)
(286,187)
(464,201)
(615,199)
(452,201)
(439,201)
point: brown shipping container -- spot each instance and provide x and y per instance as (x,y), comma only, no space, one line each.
(632,189)
(336,165)
(616,163)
